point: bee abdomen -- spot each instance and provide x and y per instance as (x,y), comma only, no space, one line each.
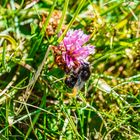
(71,81)
(85,72)
(85,75)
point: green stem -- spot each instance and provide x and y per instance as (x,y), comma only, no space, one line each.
(10,39)
(41,35)
(5,3)
(63,16)
(7,114)
(18,120)
(4,56)
(36,117)
(48,18)
(72,20)
(111,8)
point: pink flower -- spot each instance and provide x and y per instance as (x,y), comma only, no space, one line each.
(75,53)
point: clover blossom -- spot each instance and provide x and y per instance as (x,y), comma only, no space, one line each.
(76,52)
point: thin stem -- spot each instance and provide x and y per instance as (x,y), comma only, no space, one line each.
(72,20)
(63,16)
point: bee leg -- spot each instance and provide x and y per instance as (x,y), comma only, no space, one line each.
(73,94)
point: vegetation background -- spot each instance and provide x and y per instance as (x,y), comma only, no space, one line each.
(33,96)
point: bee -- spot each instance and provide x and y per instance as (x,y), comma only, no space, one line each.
(77,76)
(71,81)
(85,72)
(77,80)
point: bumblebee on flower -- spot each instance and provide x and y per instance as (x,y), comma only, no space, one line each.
(71,55)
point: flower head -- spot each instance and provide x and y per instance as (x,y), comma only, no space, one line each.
(76,53)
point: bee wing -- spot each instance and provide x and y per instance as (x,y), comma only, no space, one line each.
(79,84)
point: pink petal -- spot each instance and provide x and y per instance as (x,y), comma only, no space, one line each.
(67,61)
(84,51)
(73,42)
